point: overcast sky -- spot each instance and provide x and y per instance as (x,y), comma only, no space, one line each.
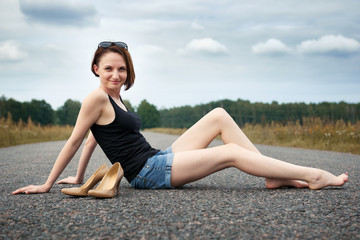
(186,52)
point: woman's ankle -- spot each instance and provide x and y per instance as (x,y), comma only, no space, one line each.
(321,179)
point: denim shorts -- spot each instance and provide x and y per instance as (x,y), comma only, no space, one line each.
(156,172)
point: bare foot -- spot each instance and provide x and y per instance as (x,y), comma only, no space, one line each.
(278,183)
(323,179)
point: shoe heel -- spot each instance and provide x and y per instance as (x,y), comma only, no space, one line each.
(118,188)
(110,183)
(90,183)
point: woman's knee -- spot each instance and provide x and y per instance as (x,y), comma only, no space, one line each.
(221,112)
(235,152)
(232,148)
(230,151)
(220,115)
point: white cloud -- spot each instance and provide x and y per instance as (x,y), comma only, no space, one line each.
(330,44)
(149,49)
(204,46)
(68,12)
(10,50)
(196,26)
(274,26)
(53,47)
(271,47)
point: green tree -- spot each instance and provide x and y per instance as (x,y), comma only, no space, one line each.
(16,109)
(3,102)
(150,116)
(39,111)
(129,106)
(67,114)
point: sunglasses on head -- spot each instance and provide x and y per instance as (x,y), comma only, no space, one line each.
(109,44)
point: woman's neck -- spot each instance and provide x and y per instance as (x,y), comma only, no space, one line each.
(113,93)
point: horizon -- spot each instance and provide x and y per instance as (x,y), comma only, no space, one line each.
(193,105)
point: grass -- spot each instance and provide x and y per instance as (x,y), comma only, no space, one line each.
(313,133)
(21,133)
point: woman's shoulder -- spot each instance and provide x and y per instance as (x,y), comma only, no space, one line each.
(98,96)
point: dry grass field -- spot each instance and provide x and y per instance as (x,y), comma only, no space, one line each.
(21,133)
(313,133)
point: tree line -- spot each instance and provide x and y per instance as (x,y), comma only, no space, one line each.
(242,112)
(262,113)
(39,111)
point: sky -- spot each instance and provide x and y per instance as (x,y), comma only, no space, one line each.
(185,52)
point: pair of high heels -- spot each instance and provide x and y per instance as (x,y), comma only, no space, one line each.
(110,181)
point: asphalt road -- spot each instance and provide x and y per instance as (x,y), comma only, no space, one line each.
(226,205)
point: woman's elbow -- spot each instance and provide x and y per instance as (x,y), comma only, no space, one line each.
(90,141)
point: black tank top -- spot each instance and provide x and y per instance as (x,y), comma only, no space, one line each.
(122,141)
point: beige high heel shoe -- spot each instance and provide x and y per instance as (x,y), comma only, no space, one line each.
(109,183)
(93,180)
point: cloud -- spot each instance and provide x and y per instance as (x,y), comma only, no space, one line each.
(68,12)
(196,26)
(159,31)
(274,26)
(271,47)
(204,46)
(10,51)
(330,44)
(150,49)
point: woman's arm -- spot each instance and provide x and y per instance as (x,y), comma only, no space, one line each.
(86,153)
(61,162)
(89,113)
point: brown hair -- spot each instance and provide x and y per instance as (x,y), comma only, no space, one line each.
(123,52)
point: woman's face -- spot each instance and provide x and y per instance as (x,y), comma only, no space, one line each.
(111,70)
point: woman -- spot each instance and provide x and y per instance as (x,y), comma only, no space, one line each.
(187,160)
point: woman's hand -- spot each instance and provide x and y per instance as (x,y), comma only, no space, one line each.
(70,180)
(32,189)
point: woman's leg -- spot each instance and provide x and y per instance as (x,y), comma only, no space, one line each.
(189,166)
(218,122)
